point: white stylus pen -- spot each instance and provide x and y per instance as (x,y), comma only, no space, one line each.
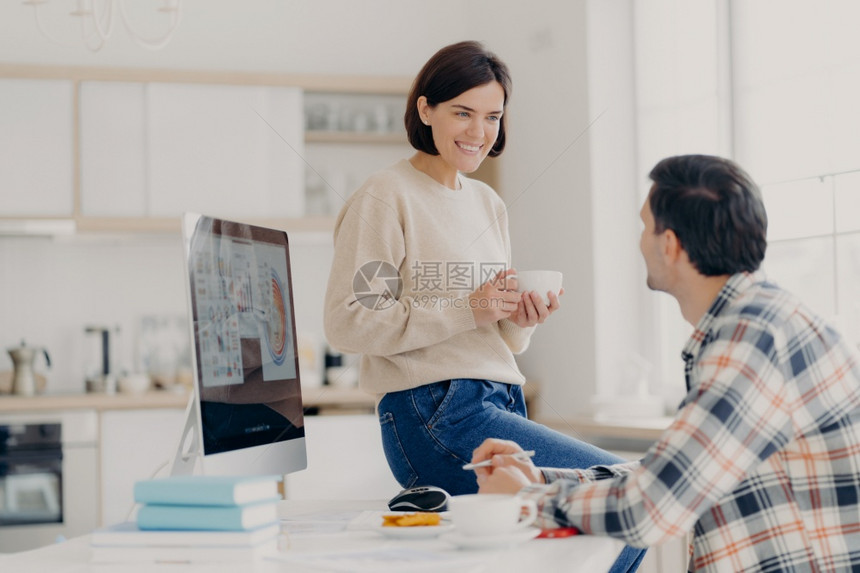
(522,456)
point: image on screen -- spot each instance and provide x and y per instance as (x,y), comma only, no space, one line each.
(244,336)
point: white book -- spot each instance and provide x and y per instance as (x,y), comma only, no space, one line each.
(191,554)
(127,534)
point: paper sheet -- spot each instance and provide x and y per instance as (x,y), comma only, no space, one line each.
(385,559)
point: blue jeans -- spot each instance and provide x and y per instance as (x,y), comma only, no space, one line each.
(429,432)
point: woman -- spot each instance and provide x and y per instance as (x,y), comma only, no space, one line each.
(421,287)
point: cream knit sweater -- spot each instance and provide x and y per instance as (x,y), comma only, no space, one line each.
(444,244)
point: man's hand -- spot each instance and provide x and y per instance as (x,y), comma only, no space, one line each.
(507,474)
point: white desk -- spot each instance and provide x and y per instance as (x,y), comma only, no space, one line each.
(583,554)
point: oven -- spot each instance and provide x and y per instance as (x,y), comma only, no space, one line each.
(48,478)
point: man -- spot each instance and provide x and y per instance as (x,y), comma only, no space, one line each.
(762,460)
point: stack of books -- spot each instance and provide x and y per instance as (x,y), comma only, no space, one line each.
(196,519)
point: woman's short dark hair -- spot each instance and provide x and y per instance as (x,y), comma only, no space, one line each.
(714,208)
(451,71)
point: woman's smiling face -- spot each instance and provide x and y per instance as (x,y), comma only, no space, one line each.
(465,128)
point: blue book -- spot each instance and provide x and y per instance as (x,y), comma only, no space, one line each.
(207,517)
(207,490)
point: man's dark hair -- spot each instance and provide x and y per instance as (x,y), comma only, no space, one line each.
(451,71)
(715,210)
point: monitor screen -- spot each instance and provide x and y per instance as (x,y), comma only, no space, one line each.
(246,413)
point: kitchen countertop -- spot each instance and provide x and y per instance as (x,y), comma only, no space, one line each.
(92,401)
(641,430)
(323,397)
(326,398)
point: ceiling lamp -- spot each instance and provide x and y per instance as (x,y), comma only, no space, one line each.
(96,19)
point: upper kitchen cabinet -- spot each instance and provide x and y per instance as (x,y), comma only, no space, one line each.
(234,151)
(113,149)
(36,143)
(129,150)
(159,149)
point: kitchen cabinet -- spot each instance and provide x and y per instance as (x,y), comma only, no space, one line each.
(118,439)
(160,149)
(127,150)
(113,145)
(36,144)
(339,444)
(139,444)
(135,445)
(233,151)
(142,146)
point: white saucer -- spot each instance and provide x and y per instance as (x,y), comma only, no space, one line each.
(414,532)
(491,541)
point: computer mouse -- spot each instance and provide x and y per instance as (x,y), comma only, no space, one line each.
(422,498)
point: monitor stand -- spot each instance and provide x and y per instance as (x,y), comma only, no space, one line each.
(189,451)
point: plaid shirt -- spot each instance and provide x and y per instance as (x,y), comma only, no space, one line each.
(762,460)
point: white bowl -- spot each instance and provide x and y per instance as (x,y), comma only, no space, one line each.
(134,384)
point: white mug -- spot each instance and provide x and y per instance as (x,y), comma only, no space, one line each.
(541,282)
(482,514)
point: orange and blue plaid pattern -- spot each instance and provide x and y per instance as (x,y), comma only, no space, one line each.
(762,460)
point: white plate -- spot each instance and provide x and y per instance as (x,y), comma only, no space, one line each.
(415,531)
(491,541)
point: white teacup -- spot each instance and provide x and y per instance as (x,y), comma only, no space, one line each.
(541,282)
(482,514)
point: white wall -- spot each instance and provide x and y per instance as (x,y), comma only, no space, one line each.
(546,170)
(545,182)
(53,289)
(570,182)
(619,272)
(334,36)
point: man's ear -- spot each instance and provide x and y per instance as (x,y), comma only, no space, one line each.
(672,248)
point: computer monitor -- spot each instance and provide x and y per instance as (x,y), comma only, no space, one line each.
(245,413)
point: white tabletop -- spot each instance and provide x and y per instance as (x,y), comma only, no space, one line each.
(319,535)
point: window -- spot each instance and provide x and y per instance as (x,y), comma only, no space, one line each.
(774,85)
(797,130)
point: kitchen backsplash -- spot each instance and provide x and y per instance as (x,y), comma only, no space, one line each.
(52,289)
